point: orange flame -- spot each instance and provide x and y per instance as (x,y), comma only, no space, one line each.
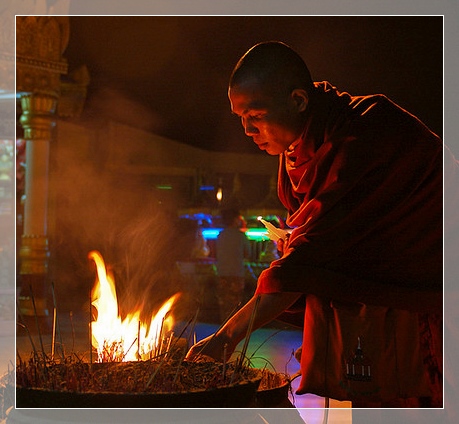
(128,339)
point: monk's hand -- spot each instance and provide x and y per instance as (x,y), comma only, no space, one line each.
(214,347)
(280,246)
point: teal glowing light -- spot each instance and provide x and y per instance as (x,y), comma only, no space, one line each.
(257,234)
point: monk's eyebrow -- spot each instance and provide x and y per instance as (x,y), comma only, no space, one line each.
(244,112)
(255,107)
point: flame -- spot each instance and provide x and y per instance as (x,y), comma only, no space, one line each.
(129,339)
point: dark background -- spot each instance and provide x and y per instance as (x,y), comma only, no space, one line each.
(169,74)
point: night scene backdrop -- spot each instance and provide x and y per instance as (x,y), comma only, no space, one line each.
(169,74)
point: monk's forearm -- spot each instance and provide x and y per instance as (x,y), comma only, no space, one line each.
(269,307)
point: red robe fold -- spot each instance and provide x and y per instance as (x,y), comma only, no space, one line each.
(363,191)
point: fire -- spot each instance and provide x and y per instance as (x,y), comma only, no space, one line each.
(128,339)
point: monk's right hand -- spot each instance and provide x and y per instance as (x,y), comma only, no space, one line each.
(213,346)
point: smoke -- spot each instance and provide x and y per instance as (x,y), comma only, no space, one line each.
(119,214)
(112,103)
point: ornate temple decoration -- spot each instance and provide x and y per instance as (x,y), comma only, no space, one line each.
(40,43)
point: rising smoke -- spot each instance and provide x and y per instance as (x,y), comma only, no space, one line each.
(95,207)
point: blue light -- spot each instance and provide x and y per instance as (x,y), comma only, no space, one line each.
(211,233)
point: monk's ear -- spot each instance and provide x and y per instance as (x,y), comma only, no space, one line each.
(300,98)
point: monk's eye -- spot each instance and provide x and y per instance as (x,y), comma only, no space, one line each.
(257,116)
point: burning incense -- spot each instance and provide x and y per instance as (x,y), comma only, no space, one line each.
(185,352)
(36,320)
(90,326)
(169,343)
(138,342)
(57,325)
(53,341)
(73,330)
(249,332)
(22,323)
(125,353)
(224,360)
(152,377)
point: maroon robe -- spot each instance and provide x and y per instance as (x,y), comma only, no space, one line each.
(363,191)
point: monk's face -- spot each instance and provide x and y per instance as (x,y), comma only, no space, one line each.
(273,118)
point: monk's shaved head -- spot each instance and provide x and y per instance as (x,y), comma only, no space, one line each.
(275,66)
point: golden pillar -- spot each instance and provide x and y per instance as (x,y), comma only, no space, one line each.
(40,43)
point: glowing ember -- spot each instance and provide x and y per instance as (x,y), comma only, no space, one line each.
(129,339)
